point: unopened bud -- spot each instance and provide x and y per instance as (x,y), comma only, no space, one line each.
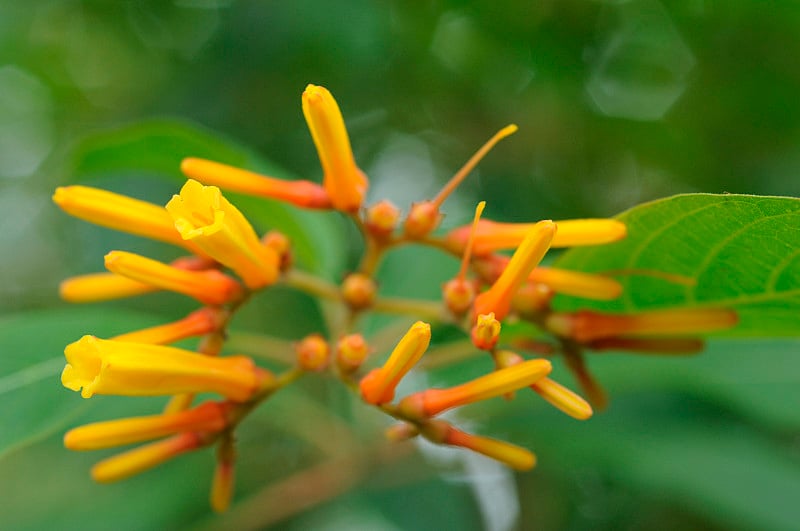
(401,432)
(458,295)
(423,218)
(351,351)
(381,219)
(531,298)
(282,245)
(312,353)
(359,291)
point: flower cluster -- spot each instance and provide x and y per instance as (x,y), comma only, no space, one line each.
(228,263)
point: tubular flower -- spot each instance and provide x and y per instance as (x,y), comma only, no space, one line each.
(203,216)
(108,367)
(97,287)
(584,326)
(378,386)
(209,287)
(121,213)
(514,456)
(344,183)
(491,236)
(207,417)
(145,457)
(299,193)
(486,332)
(203,321)
(497,299)
(434,401)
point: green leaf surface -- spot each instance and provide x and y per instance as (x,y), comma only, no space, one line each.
(32,345)
(156,148)
(731,251)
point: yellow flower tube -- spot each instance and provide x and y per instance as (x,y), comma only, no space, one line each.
(204,217)
(497,299)
(343,181)
(509,454)
(121,213)
(434,401)
(299,193)
(145,457)
(96,287)
(491,236)
(108,367)
(378,386)
(208,286)
(207,417)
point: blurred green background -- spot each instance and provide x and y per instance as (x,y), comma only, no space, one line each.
(618,102)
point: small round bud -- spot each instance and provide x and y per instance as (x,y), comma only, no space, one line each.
(351,351)
(458,295)
(312,353)
(381,219)
(282,245)
(486,332)
(359,291)
(530,298)
(422,219)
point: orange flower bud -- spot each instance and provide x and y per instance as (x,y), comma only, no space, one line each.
(121,213)
(381,219)
(533,248)
(207,417)
(299,193)
(401,432)
(585,325)
(434,401)
(202,321)
(282,245)
(209,287)
(344,183)
(422,219)
(99,366)
(203,216)
(138,460)
(585,285)
(359,291)
(531,298)
(378,386)
(486,332)
(351,351)
(458,295)
(312,353)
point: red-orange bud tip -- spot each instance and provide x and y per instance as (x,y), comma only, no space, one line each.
(458,295)
(312,353)
(359,291)
(422,219)
(351,351)
(381,219)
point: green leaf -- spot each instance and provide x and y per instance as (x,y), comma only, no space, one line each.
(727,251)
(33,345)
(156,148)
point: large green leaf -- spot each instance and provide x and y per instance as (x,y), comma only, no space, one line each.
(730,251)
(156,148)
(32,345)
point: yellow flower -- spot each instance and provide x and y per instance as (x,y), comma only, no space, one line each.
(434,401)
(207,417)
(203,216)
(108,367)
(587,325)
(145,457)
(121,213)
(299,193)
(378,386)
(497,299)
(202,321)
(96,287)
(514,456)
(209,286)
(344,183)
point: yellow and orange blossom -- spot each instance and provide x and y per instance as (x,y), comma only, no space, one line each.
(108,367)
(203,216)
(378,386)
(344,182)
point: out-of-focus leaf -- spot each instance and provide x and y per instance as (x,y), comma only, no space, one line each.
(731,251)
(32,345)
(156,148)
